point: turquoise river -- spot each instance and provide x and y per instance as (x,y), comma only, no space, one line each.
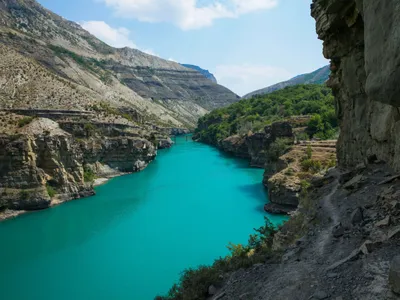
(132,239)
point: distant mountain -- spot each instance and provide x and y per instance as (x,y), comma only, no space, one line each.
(319,76)
(205,73)
(90,74)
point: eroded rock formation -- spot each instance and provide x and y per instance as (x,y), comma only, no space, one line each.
(362,39)
(42,165)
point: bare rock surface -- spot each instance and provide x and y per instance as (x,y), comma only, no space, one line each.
(324,265)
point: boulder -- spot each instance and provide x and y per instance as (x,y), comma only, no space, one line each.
(357,216)
(278,209)
(354,183)
(394,275)
(383,223)
(394,233)
(369,246)
(212,290)
(338,230)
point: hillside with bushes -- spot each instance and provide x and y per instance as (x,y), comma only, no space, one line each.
(254,114)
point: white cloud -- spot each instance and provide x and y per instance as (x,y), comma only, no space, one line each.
(116,37)
(243,79)
(186,14)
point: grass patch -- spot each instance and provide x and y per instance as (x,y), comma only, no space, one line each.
(50,190)
(89,175)
(25,121)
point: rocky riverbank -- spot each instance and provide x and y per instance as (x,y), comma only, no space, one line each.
(290,164)
(305,162)
(46,163)
(340,245)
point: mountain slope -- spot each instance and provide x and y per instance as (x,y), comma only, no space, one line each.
(205,73)
(317,77)
(125,78)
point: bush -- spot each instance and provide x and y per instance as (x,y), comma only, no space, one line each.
(90,129)
(25,121)
(313,166)
(89,175)
(309,152)
(303,136)
(51,191)
(278,148)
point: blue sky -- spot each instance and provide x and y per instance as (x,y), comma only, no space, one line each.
(247,44)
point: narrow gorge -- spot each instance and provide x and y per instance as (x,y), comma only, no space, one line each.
(186,190)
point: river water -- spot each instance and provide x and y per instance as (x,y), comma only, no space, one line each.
(132,239)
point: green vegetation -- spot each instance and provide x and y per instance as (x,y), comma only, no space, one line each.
(89,175)
(278,148)
(194,283)
(90,129)
(25,121)
(312,166)
(323,126)
(259,111)
(86,62)
(51,191)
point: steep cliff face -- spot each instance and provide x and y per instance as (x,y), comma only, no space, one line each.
(365,71)
(42,165)
(205,73)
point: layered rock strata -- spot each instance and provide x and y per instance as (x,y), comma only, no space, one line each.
(365,72)
(42,164)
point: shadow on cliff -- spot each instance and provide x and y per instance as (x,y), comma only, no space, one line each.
(238,162)
(256,192)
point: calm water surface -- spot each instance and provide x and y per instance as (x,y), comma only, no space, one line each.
(132,240)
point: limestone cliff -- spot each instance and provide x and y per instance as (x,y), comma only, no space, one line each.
(365,72)
(42,165)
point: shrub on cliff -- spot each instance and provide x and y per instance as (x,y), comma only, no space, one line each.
(323,126)
(89,175)
(255,113)
(51,191)
(278,148)
(25,121)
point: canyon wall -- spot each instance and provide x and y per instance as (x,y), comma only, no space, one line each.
(42,164)
(362,39)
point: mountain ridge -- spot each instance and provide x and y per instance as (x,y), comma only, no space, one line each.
(206,73)
(66,49)
(318,76)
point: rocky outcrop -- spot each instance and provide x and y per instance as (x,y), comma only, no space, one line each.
(365,72)
(203,72)
(42,165)
(255,146)
(165,143)
(324,253)
(295,167)
(394,275)
(236,145)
